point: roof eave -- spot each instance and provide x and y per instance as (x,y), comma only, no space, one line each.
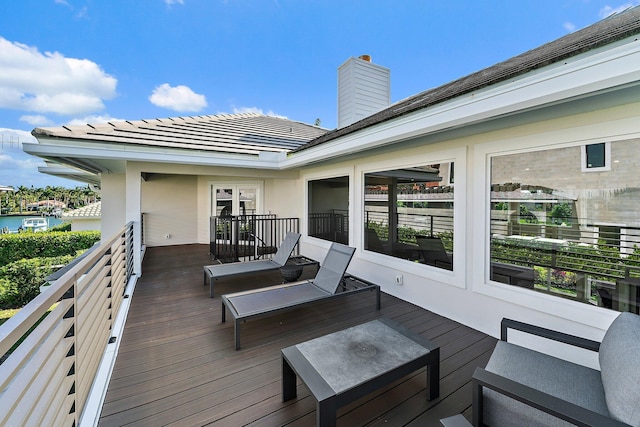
(587,74)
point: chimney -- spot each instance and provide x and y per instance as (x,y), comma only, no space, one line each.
(364,88)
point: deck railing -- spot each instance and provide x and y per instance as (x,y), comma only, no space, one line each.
(248,237)
(57,341)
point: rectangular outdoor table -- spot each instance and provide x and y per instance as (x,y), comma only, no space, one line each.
(341,367)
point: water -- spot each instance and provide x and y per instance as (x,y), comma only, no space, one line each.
(14,222)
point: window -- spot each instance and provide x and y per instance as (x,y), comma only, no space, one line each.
(596,157)
(328,207)
(409,214)
(559,231)
(231,199)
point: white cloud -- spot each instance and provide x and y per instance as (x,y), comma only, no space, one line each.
(170,2)
(36,120)
(13,138)
(569,26)
(179,98)
(610,10)
(237,110)
(51,83)
(19,168)
(94,119)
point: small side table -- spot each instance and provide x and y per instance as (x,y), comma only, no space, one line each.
(344,366)
(292,270)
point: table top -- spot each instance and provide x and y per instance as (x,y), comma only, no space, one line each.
(349,357)
(301,260)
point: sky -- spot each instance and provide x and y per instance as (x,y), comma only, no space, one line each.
(91,61)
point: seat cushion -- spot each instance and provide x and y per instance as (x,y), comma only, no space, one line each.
(565,380)
(619,363)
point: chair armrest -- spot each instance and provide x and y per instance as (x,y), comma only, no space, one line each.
(535,398)
(585,343)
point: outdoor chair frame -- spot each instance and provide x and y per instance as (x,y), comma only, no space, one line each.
(530,396)
(330,282)
(217,271)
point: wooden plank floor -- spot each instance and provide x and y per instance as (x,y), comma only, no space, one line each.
(177,364)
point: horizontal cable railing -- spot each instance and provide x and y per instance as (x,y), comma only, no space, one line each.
(601,251)
(418,223)
(54,345)
(248,237)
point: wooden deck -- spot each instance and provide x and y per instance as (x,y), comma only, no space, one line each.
(177,364)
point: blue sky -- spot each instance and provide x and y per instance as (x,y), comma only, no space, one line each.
(88,61)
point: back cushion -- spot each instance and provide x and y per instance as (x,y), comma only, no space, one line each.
(620,368)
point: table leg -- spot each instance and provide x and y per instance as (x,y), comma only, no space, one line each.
(289,390)
(326,412)
(433,374)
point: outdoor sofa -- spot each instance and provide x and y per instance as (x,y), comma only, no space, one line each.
(330,282)
(526,388)
(217,271)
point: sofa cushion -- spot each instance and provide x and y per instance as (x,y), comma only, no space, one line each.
(565,380)
(619,363)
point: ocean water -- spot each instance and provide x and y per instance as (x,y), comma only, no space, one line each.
(14,222)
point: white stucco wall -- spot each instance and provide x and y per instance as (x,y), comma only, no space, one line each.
(169,203)
(466,294)
(113,204)
(85,224)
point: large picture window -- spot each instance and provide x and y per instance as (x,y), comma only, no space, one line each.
(558,230)
(409,214)
(328,206)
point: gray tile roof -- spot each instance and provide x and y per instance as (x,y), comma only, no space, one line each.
(606,31)
(246,133)
(91,211)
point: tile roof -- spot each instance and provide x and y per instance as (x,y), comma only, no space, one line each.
(606,31)
(245,133)
(91,211)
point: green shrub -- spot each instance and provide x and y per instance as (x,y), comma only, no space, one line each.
(14,247)
(64,226)
(20,281)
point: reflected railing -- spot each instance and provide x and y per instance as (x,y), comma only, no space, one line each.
(594,264)
(332,226)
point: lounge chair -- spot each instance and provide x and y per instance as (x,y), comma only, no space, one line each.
(433,252)
(327,284)
(215,272)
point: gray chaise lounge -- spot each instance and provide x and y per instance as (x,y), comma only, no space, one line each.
(267,301)
(526,388)
(215,272)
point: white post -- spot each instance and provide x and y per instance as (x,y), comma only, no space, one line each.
(133,213)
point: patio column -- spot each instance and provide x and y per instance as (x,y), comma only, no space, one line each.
(134,213)
(392,206)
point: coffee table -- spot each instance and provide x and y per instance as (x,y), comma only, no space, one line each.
(341,367)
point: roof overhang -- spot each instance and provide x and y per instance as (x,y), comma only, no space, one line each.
(566,84)
(610,68)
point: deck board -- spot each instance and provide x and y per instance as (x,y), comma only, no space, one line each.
(177,364)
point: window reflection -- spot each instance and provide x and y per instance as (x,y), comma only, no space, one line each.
(328,206)
(571,233)
(409,214)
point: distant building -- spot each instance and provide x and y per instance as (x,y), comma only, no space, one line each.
(85,218)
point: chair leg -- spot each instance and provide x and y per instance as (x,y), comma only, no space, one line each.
(236,333)
(477,403)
